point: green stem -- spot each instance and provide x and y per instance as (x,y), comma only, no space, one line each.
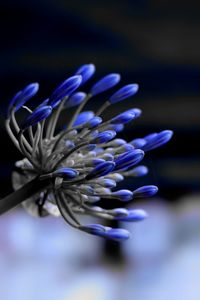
(28,190)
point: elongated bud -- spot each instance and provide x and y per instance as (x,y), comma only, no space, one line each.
(123,118)
(105,84)
(123,93)
(83,117)
(64,90)
(145,191)
(37,116)
(129,159)
(134,215)
(101,170)
(157,140)
(123,195)
(65,173)
(104,137)
(75,99)
(23,96)
(86,71)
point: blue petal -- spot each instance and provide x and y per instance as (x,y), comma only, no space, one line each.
(86,71)
(65,89)
(123,195)
(156,140)
(75,99)
(66,173)
(105,83)
(117,234)
(123,93)
(37,115)
(23,96)
(101,170)
(123,118)
(145,191)
(83,117)
(129,159)
(104,137)
(134,215)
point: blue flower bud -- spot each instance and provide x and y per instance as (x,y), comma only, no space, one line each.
(23,96)
(128,159)
(94,122)
(83,118)
(107,183)
(117,234)
(75,99)
(94,162)
(123,118)
(37,116)
(134,215)
(119,213)
(65,173)
(101,170)
(86,71)
(117,127)
(65,89)
(138,143)
(104,137)
(116,143)
(123,93)
(95,229)
(138,171)
(125,148)
(122,195)
(145,191)
(105,83)
(116,176)
(156,140)
(136,111)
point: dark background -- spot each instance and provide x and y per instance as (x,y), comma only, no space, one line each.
(154,43)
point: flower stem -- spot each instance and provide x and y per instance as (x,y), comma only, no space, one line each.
(31,188)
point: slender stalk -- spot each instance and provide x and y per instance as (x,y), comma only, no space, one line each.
(78,110)
(28,190)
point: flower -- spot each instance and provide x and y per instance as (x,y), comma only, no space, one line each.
(67,172)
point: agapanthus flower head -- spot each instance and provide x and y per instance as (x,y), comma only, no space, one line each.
(67,172)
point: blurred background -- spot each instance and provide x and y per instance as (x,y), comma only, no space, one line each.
(156,44)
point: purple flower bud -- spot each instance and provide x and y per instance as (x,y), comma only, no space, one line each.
(156,140)
(123,195)
(138,171)
(83,118)
(23,96)
(75,99)
(65,173)
(136,111)
(37,116)
(134,215)
(117,234)
(65,89)
(104,137)
(117,127)
(123,118)
(123,93)
(128,159)
(86,71)
(105,83)
(145,191)
(94,122)
(138,143)
(101,170)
